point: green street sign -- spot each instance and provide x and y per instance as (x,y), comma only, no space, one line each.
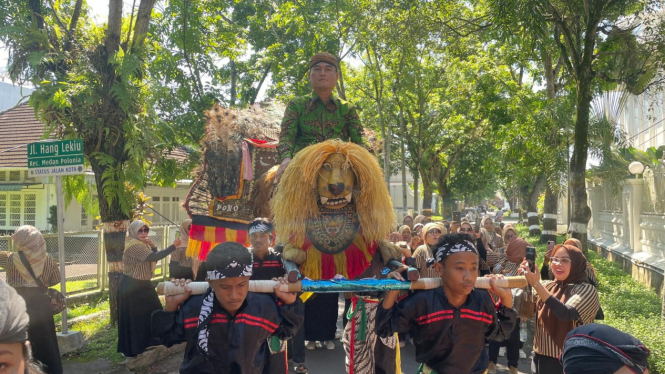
(55,158)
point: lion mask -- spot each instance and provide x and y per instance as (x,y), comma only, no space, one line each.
(332,174)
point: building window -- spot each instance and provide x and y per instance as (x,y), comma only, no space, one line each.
(30,209)
(3,209)
(26,176)
(84,218)
(14,210)
(3,176)
(22,209)
(15,176)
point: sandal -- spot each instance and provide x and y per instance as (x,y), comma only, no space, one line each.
(301,369)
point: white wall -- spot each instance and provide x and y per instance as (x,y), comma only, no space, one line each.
(642,119)
(10,95)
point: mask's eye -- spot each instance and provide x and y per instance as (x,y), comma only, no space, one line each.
(327,166)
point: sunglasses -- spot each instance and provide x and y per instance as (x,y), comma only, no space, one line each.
(466,230)
(560,260)
(434,231)
(509,237)
(146,230)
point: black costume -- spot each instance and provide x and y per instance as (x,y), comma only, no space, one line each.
(270,267)
(447,339)
(235,344)
(266,269)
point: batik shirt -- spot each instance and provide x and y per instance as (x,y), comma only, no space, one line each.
(307,120)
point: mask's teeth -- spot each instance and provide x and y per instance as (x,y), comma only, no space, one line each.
(348,198)
(324,200)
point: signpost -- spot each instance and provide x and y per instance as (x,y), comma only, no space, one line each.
(55,159)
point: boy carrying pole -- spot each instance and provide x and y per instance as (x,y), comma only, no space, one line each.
(451,322)
(227,328)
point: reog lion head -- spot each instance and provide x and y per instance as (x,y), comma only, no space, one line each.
(335,182)
(333,174)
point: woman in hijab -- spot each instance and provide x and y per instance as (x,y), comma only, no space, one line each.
(602,349)
(508,264)
(419,219)
(137,298)
(546,270)
(14,344)
(509,233)
(562,305)
(181,266)
(430,234)
(31,258)
(496,240)
(416,236)
(408,221)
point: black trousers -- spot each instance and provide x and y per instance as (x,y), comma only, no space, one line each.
(296,346)
(321,317)
(545,365)
(512,348)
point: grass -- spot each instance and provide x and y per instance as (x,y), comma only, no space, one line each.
(628,305)
(102,339)
(79,285)
(100,335)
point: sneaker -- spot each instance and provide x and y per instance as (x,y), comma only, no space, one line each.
(502,352)
(512,370)
(329,345)
(522,354)
(491,368)
(402,344)
(311,346)
(319,345)
(411,341)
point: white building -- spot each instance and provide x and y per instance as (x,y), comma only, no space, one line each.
(395,189)
(642,119)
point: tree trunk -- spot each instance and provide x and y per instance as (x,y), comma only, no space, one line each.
(531,206)
(234,76)
(403,161)
(427,192)
(549,216)
(551,201)
(416,195)
(114,224)
(263,79)
(581,213)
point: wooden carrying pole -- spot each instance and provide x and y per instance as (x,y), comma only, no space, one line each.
(323,286)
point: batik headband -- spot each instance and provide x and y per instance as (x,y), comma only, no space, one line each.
(448,249)
(232,270)
(260,228)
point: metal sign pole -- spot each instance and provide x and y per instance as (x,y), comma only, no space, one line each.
(61,247)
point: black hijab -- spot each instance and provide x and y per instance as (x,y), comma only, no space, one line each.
(602,349)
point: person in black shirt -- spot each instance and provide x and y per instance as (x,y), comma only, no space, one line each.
(267,265)
(267,262)
(227,329)
(450,322)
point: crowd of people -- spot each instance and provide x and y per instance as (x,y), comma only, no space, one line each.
(448,325)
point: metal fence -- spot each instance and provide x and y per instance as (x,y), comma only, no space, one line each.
(85,260)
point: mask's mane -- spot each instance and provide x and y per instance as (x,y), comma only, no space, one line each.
(296,198)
